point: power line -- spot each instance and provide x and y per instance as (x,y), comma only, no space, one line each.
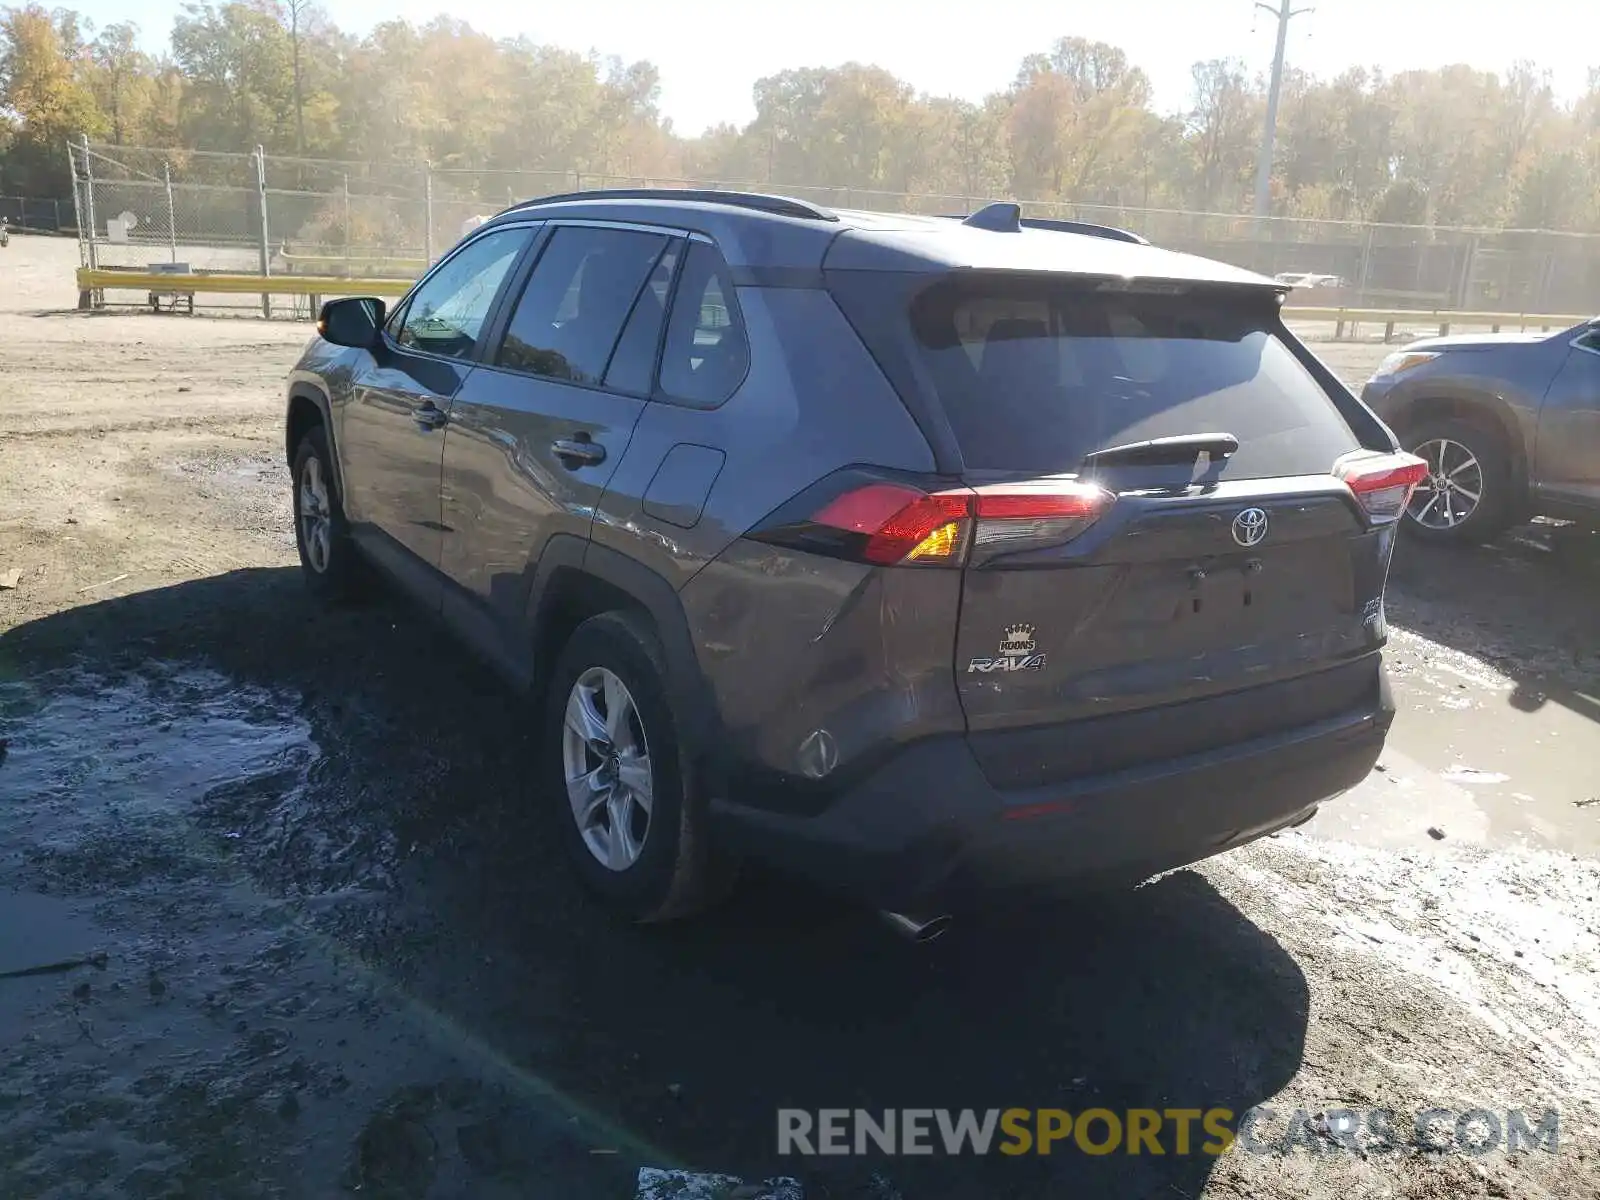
(1283,14)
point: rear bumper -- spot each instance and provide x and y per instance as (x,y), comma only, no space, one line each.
(928,829)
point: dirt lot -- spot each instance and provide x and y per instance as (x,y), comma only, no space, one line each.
(280,916)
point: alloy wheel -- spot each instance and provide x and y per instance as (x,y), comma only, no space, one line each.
(606,765)
(1453,489)
(316,516)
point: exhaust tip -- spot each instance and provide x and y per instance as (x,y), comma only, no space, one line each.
(915,928)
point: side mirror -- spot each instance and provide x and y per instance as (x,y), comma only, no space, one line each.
(356,321)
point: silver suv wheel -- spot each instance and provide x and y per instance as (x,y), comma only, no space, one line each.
(606,763)
(1453,489)
(316,516)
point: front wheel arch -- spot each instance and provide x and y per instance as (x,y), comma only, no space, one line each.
(307,409)
(1495,419)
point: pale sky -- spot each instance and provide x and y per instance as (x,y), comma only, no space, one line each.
(711,53)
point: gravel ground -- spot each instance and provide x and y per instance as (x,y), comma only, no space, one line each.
(280,915)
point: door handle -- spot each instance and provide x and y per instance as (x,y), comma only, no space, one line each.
(430,416)
(579,451)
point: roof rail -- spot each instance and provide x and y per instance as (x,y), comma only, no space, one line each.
(1084,227)
(782,206)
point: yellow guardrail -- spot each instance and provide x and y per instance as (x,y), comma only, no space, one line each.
(350,264)
(1441,318)
(90,280)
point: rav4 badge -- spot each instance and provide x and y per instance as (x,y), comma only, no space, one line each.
(1016,653)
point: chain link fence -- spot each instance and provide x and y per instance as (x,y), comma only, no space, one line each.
(137,207)
(36,214)
(255,212)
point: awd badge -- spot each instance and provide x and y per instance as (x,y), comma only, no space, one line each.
(1016,653)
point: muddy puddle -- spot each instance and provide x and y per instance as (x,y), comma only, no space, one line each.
(1476,756)
(179,1023)
(1494,658)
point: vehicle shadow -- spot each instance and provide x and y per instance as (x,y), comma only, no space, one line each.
(420,840)
(1525,605)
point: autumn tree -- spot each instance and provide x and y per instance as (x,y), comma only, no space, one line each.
(121,81)
(1075,117)
(239,65)
(1222,132)
(1076,126)
(43,89)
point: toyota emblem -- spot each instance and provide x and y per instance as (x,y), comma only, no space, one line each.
(1249,527)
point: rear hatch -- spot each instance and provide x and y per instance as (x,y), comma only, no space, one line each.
(1177,540)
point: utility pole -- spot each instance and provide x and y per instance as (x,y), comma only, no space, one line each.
(297,11)
(1282,14)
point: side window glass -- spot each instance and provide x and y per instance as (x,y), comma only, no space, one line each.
(446,314)
(706,353)
(396,322)
(580,294)
(633,363)
(1591,341)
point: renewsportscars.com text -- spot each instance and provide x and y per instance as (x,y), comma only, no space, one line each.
(1177,1131)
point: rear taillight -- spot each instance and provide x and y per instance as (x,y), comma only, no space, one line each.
(1012,517)
(900,523)
(895,523)
(1382,482)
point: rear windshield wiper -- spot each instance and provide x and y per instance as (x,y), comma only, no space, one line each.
(1183,448)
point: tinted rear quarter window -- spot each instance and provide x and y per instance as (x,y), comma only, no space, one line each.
(1033,376)
(705,354)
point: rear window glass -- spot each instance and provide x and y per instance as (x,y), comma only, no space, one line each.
(572,312)
(1034,377)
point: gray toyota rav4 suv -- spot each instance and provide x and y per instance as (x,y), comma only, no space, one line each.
(918,556)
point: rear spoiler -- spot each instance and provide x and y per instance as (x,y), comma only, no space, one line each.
(1084,227)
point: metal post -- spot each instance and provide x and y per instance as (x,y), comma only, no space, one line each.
(260,157)
(172,211)
(77,205)
(1366,265)
(1546,282)
(1283,14)
(427,212)
(347,221)
(1468,271)
(88,193)
(85,295)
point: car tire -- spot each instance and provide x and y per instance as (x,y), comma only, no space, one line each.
(328,559)
(1473,454)
(664,867)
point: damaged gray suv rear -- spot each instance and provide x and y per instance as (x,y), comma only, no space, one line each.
(917,556)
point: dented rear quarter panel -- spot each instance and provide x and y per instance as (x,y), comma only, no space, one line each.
(791,643)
